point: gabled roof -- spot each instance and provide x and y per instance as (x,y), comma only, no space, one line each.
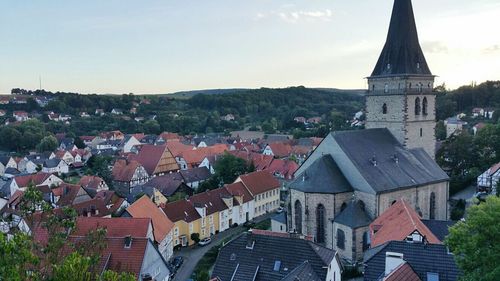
(155,159)
(413,167)
(239,189)
(354,215)
(90,181)
(177,147)
(259,182)
(211,200)
(181,210)
(439,228)
(167,184)
(123,170)
(5,160)
(396,223)
(280,149)
(38,178)
(271,258)
(323,176)
(115,227)
(195,174)
(286,168)
(145,208)
(423,258)
(302,272)
(68,193)
(403,272)
(402,53)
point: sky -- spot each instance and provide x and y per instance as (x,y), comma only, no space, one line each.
(157,47)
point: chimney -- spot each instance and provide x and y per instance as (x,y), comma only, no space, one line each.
(373,160)
(250,240)
(392,261)
(396,158)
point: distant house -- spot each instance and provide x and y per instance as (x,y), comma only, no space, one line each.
(479,126)
(21,116)
(488,181)
(93,182)
(300,119)
(128,142)
(156,159)
(194,177)
(284,169)
(278,150)
(314,120)
(152,193)
(67,144)
(228,117)
(5,163)
(116,111)
(170,184)
(84,115)
(477,111)
(275,257)
(278,223)
(127,174)
(55,165)
(454,126)
(27,166)
(2,113)
(99,112)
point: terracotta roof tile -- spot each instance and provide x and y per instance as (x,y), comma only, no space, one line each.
(38,178)
(403,272)
(181,210)
(116,227)
(280,149)
(239,189)
(396,223)
(145,208)
(156,159)
(259,182)
(123,170)
(90,181)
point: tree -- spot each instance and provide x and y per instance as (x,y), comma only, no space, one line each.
(48,143)
(440,131)
(195,237)
(229,167)
(16,257)
(474,242)
(9,138)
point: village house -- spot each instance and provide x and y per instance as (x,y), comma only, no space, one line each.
(454,126)
(152,193)
(479,126)
(20,116)
(170,185)
(244,204)
(2,113)
(116,111)
(127,174)
(156,159)
(187,221)
(5,163)
(128,142)
(278,150)
(93,182)
(55,166)
(265,190)
(195,176)
(488,181)
(162,226)
(268,256)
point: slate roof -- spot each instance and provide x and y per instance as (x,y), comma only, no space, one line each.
(4,160)
(52,163)
(439,228)
(403,272)
(235,258)
(195,174)
(302,272)
(402,53)
(323,176)
(354,216)
(281,218)
(167,184)
(423,258)
(413,167)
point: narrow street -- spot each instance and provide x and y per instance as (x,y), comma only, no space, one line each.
(193,254)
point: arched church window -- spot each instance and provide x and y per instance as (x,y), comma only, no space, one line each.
(386,88)
(362,205)
(432,206)
(417,106)
(424,106)
(373,88)
(298,216)
(421,132)
(320,224)
(384,108)
(340,239)
(343,206)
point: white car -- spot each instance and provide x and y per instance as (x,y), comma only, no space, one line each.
(279,210)
(205,241)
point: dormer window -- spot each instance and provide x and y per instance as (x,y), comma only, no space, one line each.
(418,65)
(386,88)
(128,242)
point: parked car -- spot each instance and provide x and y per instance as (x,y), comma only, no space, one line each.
(205,241)
(279,210)
(249,224)
(177,262)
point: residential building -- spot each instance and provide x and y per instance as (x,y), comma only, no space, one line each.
(162,226)
(278,223)
(268,256)
(454,126)
(244,204)
(265,190)
(156,159)
(488,181)
(187,221)
(195,176)
(55,166)
(93,182)
(127,174)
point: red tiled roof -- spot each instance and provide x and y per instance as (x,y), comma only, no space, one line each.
(260,161)
(38,178)
(181,210)
(194,157)
(150,156)
(494,168)
(284,167)
(90,181)
(67,193)
(239,189)
(211,200)
(115,227)
(259,182)
(177,147)
(403,272)
(396,223)
(94,207)
(124,170)
(145,208)
(170,136)
(280,149)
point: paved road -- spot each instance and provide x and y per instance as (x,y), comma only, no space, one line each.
(193,254)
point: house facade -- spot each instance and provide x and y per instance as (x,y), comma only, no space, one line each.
(265,190)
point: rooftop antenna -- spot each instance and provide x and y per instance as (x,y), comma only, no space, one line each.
(40,81)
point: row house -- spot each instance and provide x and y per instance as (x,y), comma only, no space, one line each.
(20,116)
(7,162)
(127,174)
(162,225)
(264,188)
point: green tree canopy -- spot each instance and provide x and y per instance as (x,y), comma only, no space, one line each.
(474,242)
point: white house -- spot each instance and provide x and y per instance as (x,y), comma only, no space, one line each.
(27,166)
(489,179)
(55,165)
(128,142)
(453,126)
(6,162)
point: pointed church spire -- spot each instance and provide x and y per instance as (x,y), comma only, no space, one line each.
(402,53)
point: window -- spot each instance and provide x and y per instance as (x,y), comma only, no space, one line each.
(366,241)
(424,106)
(384,109)
(343,206)
(417,106)
(340,239)
(421,132)
(190,228)
(373,88)
(431,276)
(320,224)
(203,221)
(176,231)
(432,206)
(298,216)
(386,88)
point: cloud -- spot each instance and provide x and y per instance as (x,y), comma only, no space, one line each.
(492,49)
(436,47)
(296,16)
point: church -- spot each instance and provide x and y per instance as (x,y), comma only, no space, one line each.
(354,176)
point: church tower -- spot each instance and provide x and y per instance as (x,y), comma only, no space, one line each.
(400,95)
